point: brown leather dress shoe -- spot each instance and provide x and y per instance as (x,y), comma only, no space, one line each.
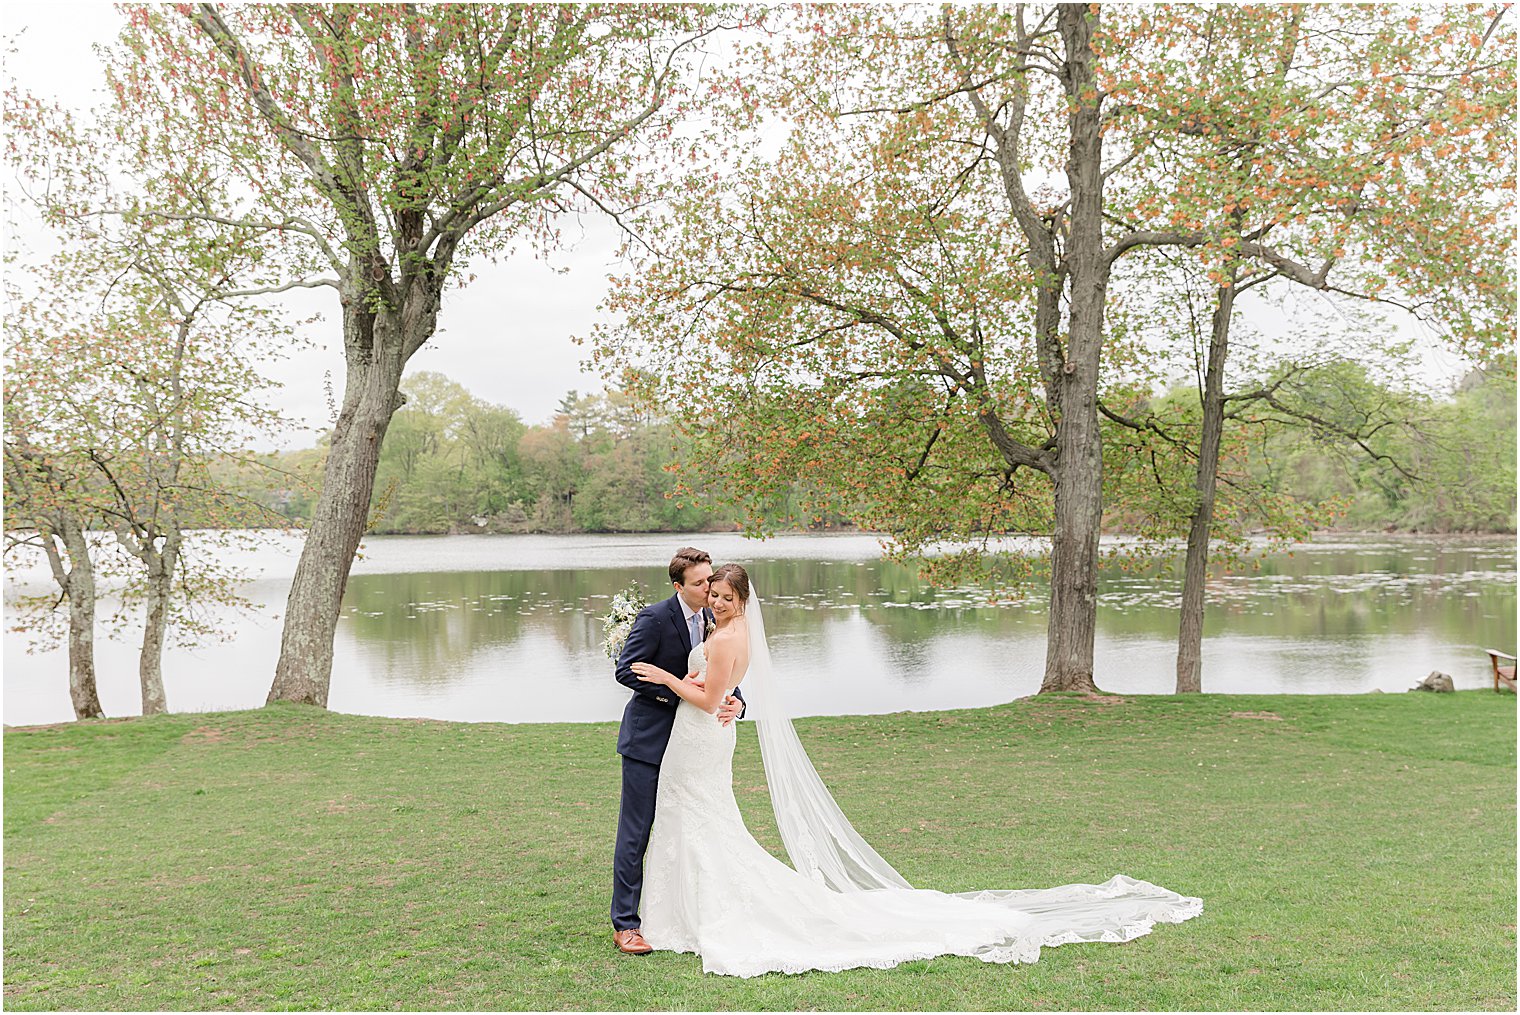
(631,942)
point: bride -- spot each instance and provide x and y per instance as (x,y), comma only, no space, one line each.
(710,888)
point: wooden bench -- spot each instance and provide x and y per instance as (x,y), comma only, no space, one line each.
(1502,674)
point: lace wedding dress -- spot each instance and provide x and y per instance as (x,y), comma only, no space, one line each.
(710,888)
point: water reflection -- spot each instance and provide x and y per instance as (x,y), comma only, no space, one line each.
(508,628)
(868,636)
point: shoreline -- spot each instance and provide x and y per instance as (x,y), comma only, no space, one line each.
(1101,699)
(843,531)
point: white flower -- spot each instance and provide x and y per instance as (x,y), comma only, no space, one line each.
(620,617)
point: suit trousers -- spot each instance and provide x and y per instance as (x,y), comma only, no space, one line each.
(641,782)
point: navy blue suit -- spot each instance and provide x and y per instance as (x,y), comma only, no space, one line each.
(659,636)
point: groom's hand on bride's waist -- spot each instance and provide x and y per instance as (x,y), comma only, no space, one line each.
(731,707)
(729,710)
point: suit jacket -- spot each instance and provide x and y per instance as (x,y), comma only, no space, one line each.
(660,636)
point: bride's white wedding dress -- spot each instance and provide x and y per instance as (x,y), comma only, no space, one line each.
(710,888)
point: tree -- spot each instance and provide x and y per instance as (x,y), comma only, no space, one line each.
(453,462)
(1451,472)
(934,239)
(919,286)
(140,369)
(42,506)
(131,375)
(626,486)
(195,391)
(418,482)
(489,436)
(375,148)
(854,333)
(555,473)
(1282,143)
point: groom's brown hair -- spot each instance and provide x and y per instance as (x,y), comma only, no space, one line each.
(686,556)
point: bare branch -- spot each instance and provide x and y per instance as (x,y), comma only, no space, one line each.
(312,283)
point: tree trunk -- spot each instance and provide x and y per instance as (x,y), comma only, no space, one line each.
(80,590)
(1195,570)
(150,660)
(150,670)
(1074,556)
(1078,472)
(1196,566)
(370,397)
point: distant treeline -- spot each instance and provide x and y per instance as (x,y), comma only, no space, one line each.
(1452,471)
(452,463)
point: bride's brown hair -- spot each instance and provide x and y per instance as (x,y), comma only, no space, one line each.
(737,578)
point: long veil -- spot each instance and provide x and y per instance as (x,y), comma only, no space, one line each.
(818,837)
(824,846)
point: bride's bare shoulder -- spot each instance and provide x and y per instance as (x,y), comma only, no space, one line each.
(733,639)
(739,636)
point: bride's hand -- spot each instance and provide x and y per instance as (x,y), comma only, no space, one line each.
(652,673)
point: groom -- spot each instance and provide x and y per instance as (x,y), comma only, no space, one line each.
(662,634)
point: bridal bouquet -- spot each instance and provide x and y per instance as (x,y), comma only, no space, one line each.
(619,619)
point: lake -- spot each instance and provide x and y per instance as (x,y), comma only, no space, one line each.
(508,628)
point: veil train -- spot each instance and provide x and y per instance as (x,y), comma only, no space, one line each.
(824,846)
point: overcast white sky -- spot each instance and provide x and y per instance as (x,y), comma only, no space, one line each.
(506,337)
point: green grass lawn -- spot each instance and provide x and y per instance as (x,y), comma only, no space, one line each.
(1352,852)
